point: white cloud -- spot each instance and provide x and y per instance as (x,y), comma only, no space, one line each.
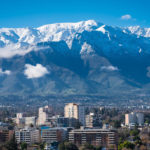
(35,71)
(109,68)
(126,17)
(6,72)
(12,50)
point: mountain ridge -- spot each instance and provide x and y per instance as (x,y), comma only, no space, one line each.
(74,58)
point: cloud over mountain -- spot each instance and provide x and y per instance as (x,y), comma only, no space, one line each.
(6,72)
(35,71)
(109,68)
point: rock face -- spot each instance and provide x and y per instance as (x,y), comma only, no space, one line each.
(74,58)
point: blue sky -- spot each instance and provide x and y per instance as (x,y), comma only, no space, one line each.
(34,13)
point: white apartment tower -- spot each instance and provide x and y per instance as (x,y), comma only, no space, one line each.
(134,118)
(76,111)
(44,114)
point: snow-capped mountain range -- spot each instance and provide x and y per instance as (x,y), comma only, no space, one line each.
(86,57)
(27,38)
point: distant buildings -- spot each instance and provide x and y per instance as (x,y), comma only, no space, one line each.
(27,135)
(134,118)
(22,121)
(76,111)
(94,137)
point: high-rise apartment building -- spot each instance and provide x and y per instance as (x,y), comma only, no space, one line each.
(76,111)
(134,118)
(92,120)
(44,114)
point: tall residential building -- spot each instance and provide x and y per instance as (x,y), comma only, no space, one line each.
(134,118)
(76,111)
(140,118)
(94,137)
(28,135)
(92,120)
(44,114)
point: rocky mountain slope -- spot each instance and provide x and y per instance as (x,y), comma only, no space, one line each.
(74,58)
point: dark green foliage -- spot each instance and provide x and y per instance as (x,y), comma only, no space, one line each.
(126,144)
(42,146)
(67,146)
(23,146)
(117,124)
(91,147)
(12,144)
(98,147)
(88,147)
(134,132)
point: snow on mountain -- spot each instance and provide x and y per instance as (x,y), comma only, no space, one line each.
(145,32)
(102,29)
(20,41)
(51,32)
(86,49)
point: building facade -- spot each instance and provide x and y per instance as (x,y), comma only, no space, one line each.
(5,135)
(92,120)
(51,135)
(27,135)
(134,118)
(96,137)
(44,114)
(76,111)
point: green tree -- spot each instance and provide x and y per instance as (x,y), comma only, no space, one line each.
(98,147)
(67,146)
(12,144)
(126,144)
(117,124)
(134,132)
(88,147)
(42,146)
(23,146)
(61,146)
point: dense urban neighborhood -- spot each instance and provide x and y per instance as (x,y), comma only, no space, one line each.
(75,126)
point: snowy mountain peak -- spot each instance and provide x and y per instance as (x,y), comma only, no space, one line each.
(78,25)
(16,39)
(145,32)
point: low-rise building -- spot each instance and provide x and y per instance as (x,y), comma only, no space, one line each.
(50,135)
(22,121)
(28,135)
(6,135)
(6,132)
(94,137)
